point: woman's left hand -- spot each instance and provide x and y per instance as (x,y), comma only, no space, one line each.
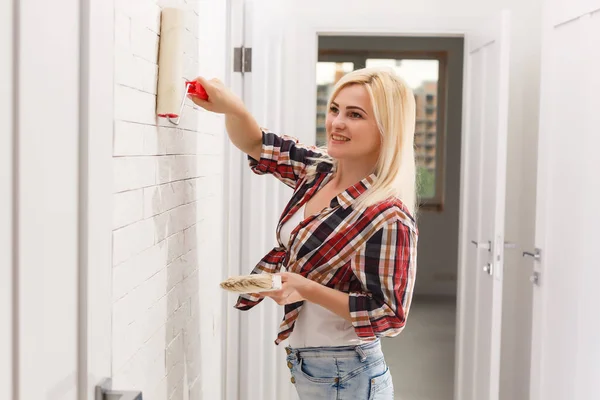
(292,290)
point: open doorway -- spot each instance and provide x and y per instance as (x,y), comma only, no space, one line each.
(422,358)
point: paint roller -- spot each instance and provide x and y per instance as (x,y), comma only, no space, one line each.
(171,92)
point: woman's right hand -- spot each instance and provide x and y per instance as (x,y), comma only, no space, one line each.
(221,100)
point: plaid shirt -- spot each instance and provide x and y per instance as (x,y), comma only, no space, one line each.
(369,254)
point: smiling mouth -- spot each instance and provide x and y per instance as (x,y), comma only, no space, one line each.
(338,138)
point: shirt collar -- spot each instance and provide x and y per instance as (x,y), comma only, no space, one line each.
(347,197)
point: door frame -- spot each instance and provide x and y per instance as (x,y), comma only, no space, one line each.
(233,165)
(92,122)
(7,65)
(538,298)
(436,27)
(95,194)
(500,27)
(308,27)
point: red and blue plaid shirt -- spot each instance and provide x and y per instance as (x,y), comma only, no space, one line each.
(371,254)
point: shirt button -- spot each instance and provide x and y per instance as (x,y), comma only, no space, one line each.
(293,380)
(289,365)
(288,351)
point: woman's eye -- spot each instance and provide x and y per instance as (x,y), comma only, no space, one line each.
(355,115)
(333,109)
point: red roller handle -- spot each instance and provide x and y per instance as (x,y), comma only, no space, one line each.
(196,89)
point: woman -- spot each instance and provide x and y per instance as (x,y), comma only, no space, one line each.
(347,237)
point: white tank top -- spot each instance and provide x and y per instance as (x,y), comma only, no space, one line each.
(316,326)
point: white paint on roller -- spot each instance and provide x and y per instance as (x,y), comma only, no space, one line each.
(171,84)
(277,284)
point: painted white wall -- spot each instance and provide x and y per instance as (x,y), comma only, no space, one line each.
(6,198)
(168,220)
(47,247)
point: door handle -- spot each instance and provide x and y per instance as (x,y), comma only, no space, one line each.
(482,245)
(535,278)
(536,255)
(104,392)
(488,268)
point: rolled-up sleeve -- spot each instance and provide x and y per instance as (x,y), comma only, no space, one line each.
(386,268)
(284,157)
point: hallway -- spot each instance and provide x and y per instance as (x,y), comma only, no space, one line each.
(424,351)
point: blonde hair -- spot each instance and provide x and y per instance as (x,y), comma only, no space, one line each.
(394,108)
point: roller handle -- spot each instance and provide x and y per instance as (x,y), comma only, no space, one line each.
(196,89)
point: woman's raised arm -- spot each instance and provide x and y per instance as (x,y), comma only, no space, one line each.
(241,126)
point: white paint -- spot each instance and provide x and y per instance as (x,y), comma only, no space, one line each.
(132,105)
(158,199)
(6,200)
(132,240)
(134,173)
(48,88)
(129,137)
(168,238)
(567,214)
(127,208)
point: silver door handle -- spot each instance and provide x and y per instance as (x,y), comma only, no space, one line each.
(488,268)
(482,245)
(104,392)
(535,278)
(536,255)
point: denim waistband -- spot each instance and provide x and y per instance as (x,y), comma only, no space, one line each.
(363,350)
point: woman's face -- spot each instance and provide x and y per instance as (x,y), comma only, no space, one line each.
(352,131)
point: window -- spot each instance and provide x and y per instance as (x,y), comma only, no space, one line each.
(425,73)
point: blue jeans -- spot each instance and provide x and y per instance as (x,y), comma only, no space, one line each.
(341,373)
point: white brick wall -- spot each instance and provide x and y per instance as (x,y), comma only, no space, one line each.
(168,214)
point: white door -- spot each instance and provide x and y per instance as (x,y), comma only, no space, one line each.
(566,322)
(486,111)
